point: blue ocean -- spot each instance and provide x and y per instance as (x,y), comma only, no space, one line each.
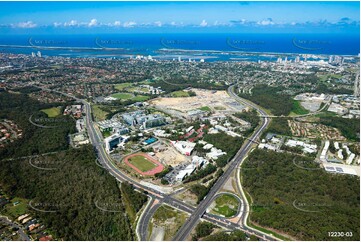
(211,47)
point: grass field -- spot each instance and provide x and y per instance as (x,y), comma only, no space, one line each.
(122,86)
(140,98)
(298,109)
(325,77)
(98,113)
(52,112)
(137,89)
(106,134)
(142,163)
(226,205)
(16,211)
(122,95)
(180,94)
(205,108)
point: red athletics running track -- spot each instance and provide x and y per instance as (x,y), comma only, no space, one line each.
(155,170)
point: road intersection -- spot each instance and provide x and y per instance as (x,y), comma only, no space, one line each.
(196,213)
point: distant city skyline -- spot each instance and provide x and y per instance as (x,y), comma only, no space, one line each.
(242,17)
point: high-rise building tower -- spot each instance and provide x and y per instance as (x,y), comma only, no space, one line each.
(330,59)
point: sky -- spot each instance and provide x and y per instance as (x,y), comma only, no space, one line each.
(124,17)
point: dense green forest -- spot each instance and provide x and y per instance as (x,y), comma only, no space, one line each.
(132,200)
(236,235)
(74,186)
(200,191)
(226,143)
(20,108)
(72,191)
(323,88)
(279,126)
(271,99)
(251,117)
(350,128)
(203,229)
(304,203)
(209,169)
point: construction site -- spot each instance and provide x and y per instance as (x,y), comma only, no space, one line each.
(205,101)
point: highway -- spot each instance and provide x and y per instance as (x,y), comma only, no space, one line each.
(188,226)
(195,213)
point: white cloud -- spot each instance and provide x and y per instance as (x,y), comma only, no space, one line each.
(239,22)
(71,23)
(93,22)
(217,23)
(266,22)
(242,21)
(203,23)
(57,24)
(175,24)
(25,25)
(158,23)
(129,24)
(117,23)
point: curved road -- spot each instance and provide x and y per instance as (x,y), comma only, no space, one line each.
(187,228)
(196,213)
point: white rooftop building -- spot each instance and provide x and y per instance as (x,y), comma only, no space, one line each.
(110,98)
(337,108)
(160,133)
(207,146)
(307,148)
(347,149)
(275,140)
(339,154)
(324,151)
(350,158)
(185,172)
(114,141)
(336,145)
(233,134)
(266,146)
(222,128)
(342,169)
(213,131)
(80,125)
(202,142)
(199,161)
(184,147)
(189,129)
(215,153)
